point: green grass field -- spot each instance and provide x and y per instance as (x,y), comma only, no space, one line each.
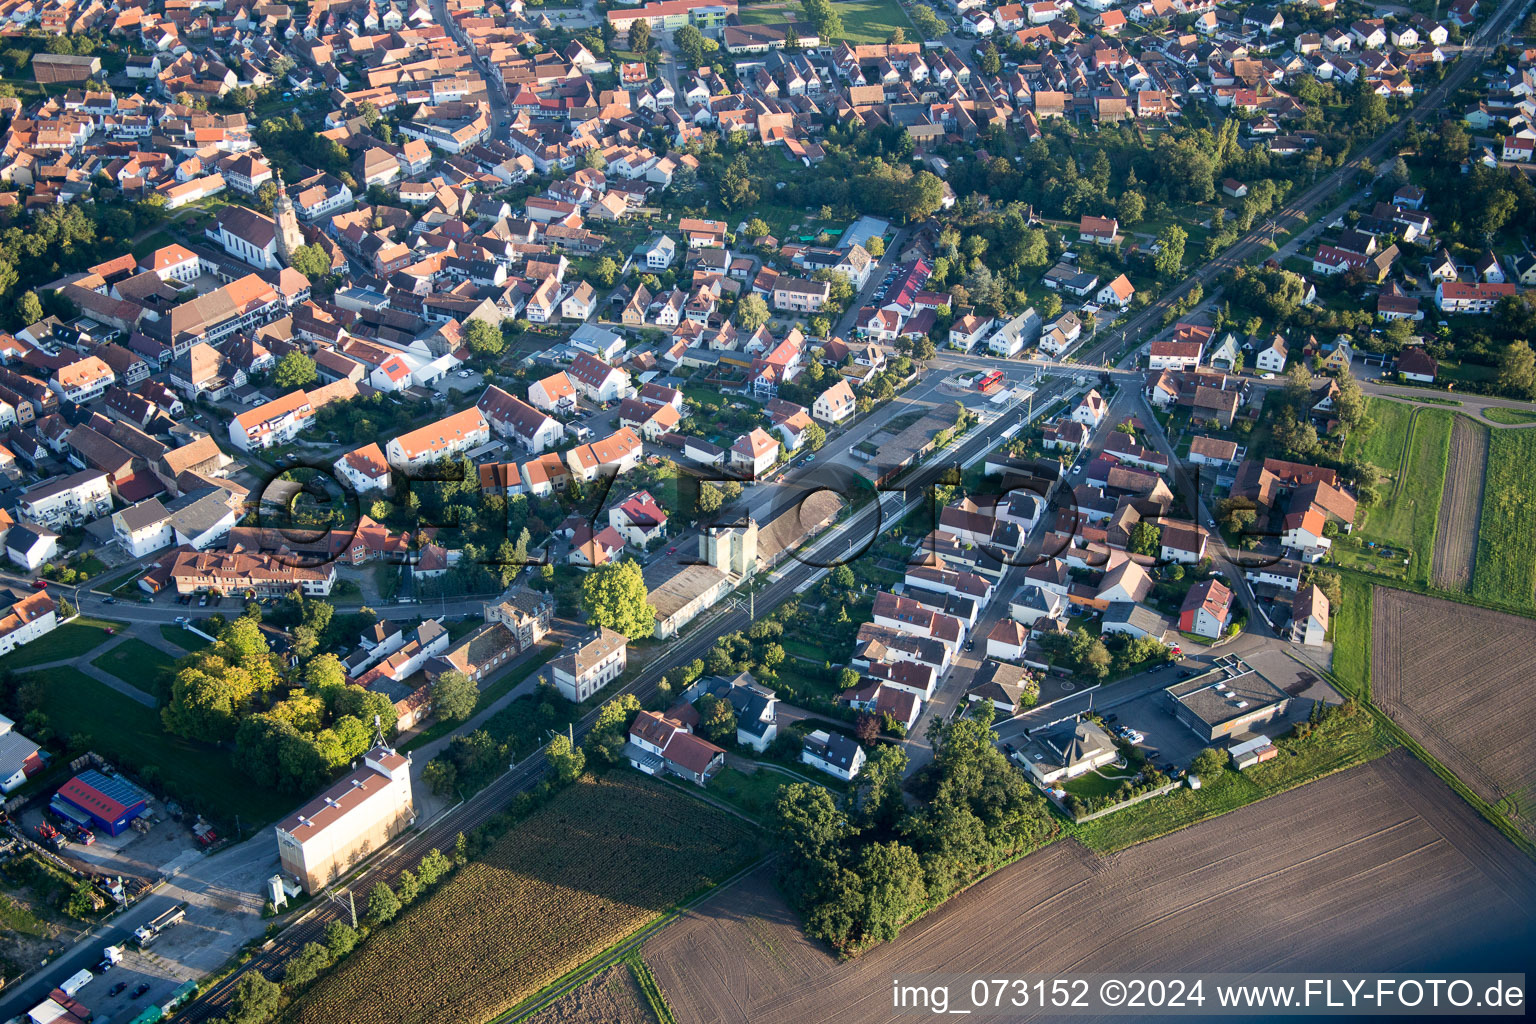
(185,639)
(1505,570)
(1410,447)
(1499,414)
(136,663)
(753,794)
(66,643)
(864,21)
(129,734)
(1352,635)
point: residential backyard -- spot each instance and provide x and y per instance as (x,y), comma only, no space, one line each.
(1410,446)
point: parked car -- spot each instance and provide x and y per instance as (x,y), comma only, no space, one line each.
(117,988)
(144,987)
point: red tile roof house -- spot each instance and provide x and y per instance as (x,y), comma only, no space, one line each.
(658,744)
(1206,609)
(639,519)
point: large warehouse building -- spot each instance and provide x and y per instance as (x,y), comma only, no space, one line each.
(107,802)
(324,839)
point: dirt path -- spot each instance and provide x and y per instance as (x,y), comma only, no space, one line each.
(1461,506)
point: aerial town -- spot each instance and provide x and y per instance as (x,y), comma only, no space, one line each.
(573,511)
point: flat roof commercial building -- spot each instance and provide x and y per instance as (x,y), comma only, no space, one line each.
(1226,701)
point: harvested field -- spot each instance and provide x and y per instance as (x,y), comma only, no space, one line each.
(612,997)
(1380,868)
(1455,678)
(600,860)
(1461,506)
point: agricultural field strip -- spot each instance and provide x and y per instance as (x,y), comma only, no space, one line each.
(550,894)
(1381,866)
(1468,706)
(1505,570)
(1456,540)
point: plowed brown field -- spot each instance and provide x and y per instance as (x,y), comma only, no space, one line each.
(1461,506)
(1456,678)
(611,997)
(1379,868)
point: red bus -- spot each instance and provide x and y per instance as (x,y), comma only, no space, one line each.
(990,383)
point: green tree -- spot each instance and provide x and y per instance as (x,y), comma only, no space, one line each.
(991,60)
(311,261)
(454,696)
(640,36)
(752,312)
(484,338)
(606,271)
(296,370)
(690,42)
(815,437)
(408,887)
(433,867)
(1170,258)
(1517,370)
(340,939)
(566,761)
(82,900)
(894,891)
(615,596)
(1145,539)
(609,733)
(735,182)
(717,720)
(307,964)
(29,309)
(256,1000)
(757,228)
(1130,207)
(1209,763)
(383,904)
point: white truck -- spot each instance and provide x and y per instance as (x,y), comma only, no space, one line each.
(111,956)
(145,934)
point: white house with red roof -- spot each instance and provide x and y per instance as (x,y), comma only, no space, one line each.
(596,380)
(755,453)
(658,744)
(1206,610)
(172,262)
(639,519)
(1117,293)
(1090,412)
(554,394)
(365,469)
(835,404)
(392,375)
(444,439)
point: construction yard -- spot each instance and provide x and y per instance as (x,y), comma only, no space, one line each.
(1454,678)
(1381,867)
